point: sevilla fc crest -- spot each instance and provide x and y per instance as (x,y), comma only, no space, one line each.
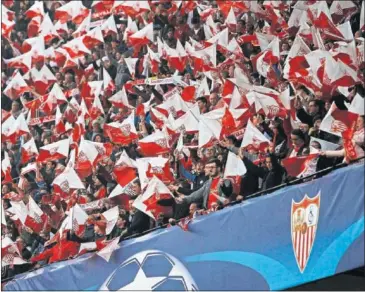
(304,220)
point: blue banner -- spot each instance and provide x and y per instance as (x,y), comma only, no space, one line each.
(293,236)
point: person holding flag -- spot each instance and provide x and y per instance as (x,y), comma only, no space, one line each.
(215,190)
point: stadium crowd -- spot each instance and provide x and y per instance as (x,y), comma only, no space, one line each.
(120,116)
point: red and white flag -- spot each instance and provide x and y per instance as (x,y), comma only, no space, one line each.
(16,87)
(154,144)
(36,218)
(221,39)
(107,251)
(76,48)
(83,28)
(67,182)
(187,122)
(59,124)
(254,138)
(94,151)
(7,21)
(10,254)
(120,99)
(176,58)
(238,7)
(102,8)
(147,203)
(61,28)
(109,27)
(297,166)
(342,11)
(152,60)
(111,217)
(74,11)
(77,220)
(295,60)
(122,133)
(6,169)
(131,65)
(54,151)
(153,166)
(130,29)
(18,128)
(42,80)
(231,21)
(47,30)
(142,37)
(28,150)
(125,169)
(108,82)
(338,121)
(96,109)
(33,26)
(93,38)
(131,8)
(235,167)
(35,10)
(8,132)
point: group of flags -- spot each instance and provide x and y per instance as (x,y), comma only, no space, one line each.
(322,71)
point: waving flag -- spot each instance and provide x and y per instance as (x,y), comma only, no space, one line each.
(122,133)
(77,220)
(254,138)
(10,254)
(47,30)
(16,87)
(111,217)
(342,10)
(74,11)
(54,151)
(67,182)
(125,170)
(6,169)
(35,219)
(297,166)
(147,203)
(35,10)
(338,121)
(131,8)
(142,37)
(154,144)
(93,38)
(120,99)
(28,150)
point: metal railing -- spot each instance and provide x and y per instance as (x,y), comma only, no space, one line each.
(257,194)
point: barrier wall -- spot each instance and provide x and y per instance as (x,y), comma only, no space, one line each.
(295,235)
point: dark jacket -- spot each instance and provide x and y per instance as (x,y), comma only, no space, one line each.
(140,222)
(271,178)
(179,210)
(304,117)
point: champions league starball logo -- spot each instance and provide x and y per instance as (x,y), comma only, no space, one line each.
(150,270)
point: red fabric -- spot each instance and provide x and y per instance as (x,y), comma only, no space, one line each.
(213,192)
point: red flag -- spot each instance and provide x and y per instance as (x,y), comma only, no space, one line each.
(228,124)
(16,87)
(154,144)
(28,150)
(147,203)
(54,151)
(296,166)
(125,170)
(35,10)
(36,219)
